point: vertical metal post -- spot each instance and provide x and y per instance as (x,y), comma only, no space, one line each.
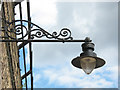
(20,8)
(30,44)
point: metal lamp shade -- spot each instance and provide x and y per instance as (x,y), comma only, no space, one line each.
(88,60)
(76,62)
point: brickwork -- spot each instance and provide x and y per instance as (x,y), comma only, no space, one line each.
(9,60)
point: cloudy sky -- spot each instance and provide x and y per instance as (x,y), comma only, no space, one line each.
(52,66)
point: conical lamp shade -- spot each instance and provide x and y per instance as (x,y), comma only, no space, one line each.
(88,64)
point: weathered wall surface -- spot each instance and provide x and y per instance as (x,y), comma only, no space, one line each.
(9,60)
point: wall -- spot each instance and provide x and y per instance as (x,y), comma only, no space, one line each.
(9,60)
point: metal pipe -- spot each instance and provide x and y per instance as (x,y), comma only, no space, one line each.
(20,8)
(25,75)
(22,45)
(30,44)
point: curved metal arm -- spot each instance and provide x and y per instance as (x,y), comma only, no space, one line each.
(21,32)
(36,31)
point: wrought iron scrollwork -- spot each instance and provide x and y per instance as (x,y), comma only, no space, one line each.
(21,31)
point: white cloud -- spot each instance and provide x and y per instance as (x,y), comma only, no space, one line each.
(110,55)
(70,78)
(86,20)
(44,12)
(36,78)
(52,54)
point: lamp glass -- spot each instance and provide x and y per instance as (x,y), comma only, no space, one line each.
(88,64)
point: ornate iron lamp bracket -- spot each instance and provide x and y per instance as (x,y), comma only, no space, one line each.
(22,33)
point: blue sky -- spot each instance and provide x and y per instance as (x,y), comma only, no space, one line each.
(52,61)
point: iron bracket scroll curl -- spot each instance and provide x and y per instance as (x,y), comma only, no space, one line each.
(21,31)
(24,30)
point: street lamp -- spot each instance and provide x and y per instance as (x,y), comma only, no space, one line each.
(88,60)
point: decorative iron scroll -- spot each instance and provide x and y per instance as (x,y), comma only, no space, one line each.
(21,31)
